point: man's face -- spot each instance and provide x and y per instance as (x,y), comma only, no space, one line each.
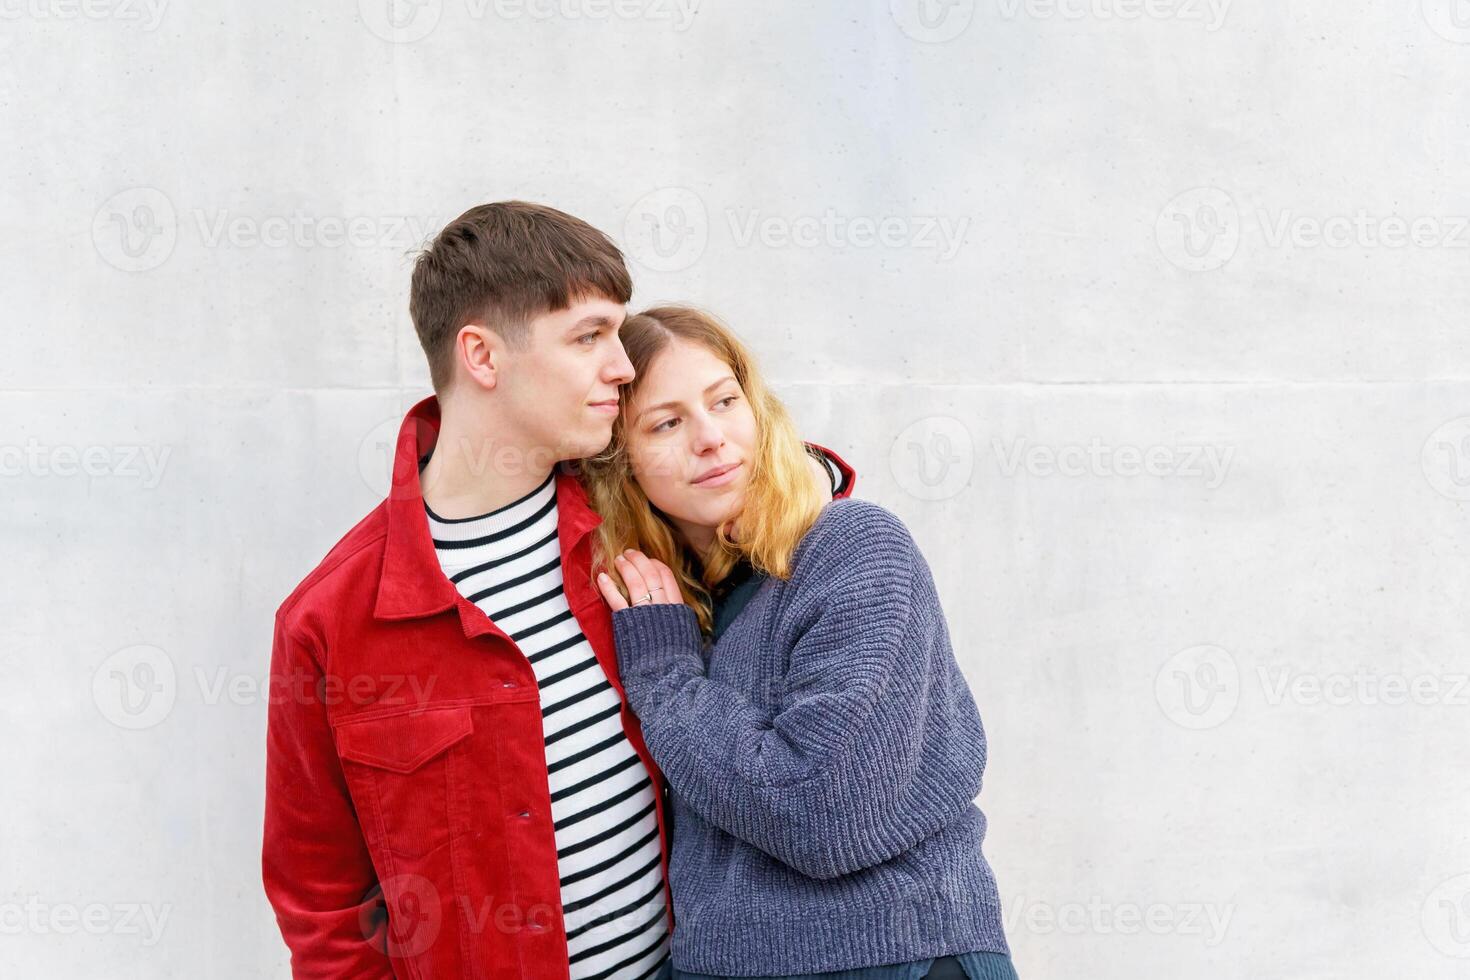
(562,391)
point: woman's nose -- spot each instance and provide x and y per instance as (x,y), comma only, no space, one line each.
(707,434)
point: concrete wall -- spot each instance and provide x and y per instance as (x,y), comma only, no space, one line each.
(1148,316)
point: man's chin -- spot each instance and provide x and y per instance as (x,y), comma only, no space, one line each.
(586,444)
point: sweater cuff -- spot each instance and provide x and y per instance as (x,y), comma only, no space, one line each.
(654,641)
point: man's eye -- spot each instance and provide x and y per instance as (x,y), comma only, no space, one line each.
(583,338)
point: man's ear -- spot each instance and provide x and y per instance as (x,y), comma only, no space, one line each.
(480,353)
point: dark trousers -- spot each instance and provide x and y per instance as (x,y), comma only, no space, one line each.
(946,968)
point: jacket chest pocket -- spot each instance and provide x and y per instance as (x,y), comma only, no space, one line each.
(405,772)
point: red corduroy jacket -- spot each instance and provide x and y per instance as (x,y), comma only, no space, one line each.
(408,822)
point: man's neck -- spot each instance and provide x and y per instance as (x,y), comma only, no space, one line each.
(471,472)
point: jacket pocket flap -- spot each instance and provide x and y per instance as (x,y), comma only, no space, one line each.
(402,743)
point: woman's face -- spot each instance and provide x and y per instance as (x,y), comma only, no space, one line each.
(691,439)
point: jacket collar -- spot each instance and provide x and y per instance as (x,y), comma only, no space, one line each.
(412,583)
(846,475)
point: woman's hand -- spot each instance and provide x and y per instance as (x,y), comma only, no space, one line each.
(649,582)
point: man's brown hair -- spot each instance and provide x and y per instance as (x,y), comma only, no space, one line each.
(504,264)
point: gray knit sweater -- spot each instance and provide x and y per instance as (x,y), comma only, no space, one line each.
(823,760)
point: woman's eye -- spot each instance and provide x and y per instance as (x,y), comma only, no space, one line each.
(728,398)
(661,426)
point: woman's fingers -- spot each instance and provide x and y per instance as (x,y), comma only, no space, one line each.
(641,575)
(646,573)
(654,575)
(669,581)
(610,592)
(633,579)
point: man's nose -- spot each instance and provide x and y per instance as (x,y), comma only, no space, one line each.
(620,369)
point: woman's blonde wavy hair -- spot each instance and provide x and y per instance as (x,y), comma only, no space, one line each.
(781,503)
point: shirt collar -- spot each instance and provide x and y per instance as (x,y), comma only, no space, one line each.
(412,583)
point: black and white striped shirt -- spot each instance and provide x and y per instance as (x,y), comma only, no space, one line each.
(508,562)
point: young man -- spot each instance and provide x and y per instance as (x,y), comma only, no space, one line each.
(455,786)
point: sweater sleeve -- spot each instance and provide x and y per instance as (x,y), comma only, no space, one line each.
(875,743)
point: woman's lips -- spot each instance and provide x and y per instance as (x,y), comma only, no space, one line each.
(721,479)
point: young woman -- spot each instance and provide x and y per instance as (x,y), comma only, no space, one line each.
(821,746)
